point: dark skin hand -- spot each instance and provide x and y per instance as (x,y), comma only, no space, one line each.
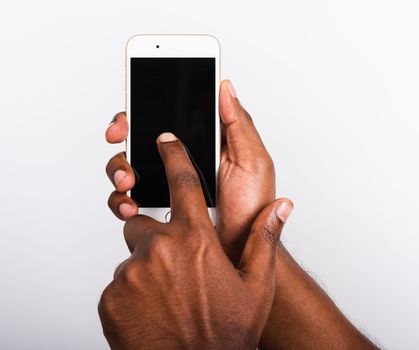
(303,316)
(178,289)
(246,176)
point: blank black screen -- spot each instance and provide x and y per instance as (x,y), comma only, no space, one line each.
(175,95)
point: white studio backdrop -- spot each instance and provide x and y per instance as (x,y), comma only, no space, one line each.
(332,86)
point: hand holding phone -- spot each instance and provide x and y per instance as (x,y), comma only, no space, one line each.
(246,175)
(178,289)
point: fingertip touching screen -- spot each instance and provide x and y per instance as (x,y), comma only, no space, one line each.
(171,95)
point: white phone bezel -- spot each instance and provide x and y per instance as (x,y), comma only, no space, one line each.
(173,45)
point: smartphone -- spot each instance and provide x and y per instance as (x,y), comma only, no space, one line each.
(172,85)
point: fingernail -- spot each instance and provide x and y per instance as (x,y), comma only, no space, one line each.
(283,211)
(166,137)
(231,89)
(118,176)
(127,210)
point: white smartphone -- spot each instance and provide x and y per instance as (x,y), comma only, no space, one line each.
(172,85)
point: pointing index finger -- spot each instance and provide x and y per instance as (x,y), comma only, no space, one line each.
(186,195)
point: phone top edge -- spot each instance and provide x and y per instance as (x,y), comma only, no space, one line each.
(172,35)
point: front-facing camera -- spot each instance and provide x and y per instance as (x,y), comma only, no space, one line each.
(157,46)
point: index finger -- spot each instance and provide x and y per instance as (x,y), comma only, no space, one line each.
(117,130)
(187,199)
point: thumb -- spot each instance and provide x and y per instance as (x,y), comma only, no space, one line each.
(239,132)
(259,255)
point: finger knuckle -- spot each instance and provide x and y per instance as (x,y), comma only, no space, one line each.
(108,167)
(186,179)
(106,304)
(171,149)
(159,249)
(129,224)
(110,201)
(197,237)
(113,162)
(198,246)
(118,269)
(133,225)
(110,308)
(270,235)
(129,273)
(129,230)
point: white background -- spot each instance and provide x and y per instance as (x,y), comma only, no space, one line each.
(333,87)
